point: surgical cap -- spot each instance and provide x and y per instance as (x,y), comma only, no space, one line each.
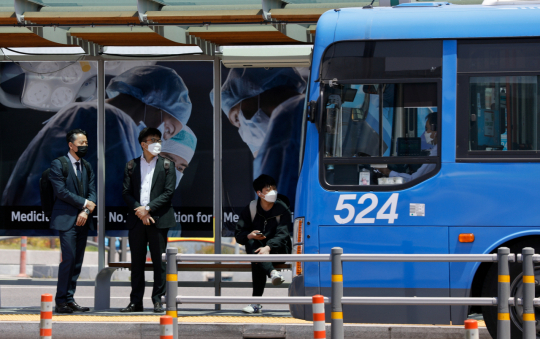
(182,144)
(157,86)
(244,83)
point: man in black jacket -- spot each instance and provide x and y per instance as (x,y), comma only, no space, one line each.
(149,184)
(263,228)
(75,200)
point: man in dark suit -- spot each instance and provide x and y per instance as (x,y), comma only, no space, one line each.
(75,201)
(149,184)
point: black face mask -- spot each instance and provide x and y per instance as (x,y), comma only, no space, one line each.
(81,151)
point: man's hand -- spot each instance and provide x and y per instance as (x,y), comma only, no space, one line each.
(141,212)
(81,219)
(263,250)
(256,236)
(91,206)
(384,171)
(147,220)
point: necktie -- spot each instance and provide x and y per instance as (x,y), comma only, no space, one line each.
(79,175)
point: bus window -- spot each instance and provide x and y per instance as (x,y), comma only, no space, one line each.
(364,124)
(503,113)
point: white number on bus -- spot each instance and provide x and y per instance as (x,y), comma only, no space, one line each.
(390,204)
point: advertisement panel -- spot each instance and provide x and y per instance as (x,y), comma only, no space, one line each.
(262,118)
(41,101)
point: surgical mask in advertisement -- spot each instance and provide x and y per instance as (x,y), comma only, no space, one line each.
(81,151)
(429,139)
(161,127)
(154,148)
(179,176)
(271,196)
(253,131)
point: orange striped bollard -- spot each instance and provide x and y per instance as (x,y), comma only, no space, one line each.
(319,328)
(45,324)
(166,327)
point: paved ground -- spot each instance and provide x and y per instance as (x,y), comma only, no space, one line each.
(24,296)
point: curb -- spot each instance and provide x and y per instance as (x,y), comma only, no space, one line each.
(125,330)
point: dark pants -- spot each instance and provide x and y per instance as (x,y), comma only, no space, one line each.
(73,245)
(156,239)
(259,270)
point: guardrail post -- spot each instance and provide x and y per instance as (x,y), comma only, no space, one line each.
(45,324)
(337,294)
(529,321)
(471,329)
(172,288)
(503,294)
(319,327)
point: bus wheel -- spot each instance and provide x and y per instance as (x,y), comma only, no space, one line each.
(489,289)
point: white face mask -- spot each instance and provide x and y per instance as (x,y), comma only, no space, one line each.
(429,139)
(179,176)
(154,148)
(253,131)
(271,196)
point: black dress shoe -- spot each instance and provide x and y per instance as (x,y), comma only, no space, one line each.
(77,308)
(158,308)
(63,308)
(133,308)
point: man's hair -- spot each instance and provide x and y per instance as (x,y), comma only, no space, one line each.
(72,135)
(432,120)
(263,181)
(148,131)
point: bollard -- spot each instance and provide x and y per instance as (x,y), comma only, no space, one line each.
(166,327)
(471,329)
(529,321)
(22,266)
(172,288)
(319,329)
(45,324)
(503,294)
(337,294)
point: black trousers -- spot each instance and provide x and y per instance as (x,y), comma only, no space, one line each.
(73,245)
(259,270)
(155,238)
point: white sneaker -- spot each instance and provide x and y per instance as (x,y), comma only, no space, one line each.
(277,278)
(253,308)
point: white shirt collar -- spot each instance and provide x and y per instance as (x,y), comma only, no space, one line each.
(152,162)
(72,159)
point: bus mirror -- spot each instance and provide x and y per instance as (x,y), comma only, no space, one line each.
(312,111)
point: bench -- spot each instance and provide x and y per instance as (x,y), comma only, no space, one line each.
(102,292)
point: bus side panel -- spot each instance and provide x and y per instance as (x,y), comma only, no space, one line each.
(486,240)
(389,279)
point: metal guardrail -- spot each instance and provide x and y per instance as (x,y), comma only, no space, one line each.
(336,257)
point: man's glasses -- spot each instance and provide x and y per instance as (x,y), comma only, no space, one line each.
(154,140)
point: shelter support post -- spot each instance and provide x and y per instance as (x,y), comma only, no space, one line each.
(101,164)
(217,173)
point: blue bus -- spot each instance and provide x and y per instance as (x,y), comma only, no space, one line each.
(421,136)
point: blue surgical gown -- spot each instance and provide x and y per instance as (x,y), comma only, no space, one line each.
(50,143)
(278,156)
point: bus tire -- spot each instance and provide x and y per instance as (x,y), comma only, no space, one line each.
(489,289)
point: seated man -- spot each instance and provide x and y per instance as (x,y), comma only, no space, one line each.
(263,228)
(431,138)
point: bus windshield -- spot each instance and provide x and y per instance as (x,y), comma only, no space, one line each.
(367,123)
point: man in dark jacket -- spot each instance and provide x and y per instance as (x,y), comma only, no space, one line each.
(75,200)
(263,228)
(149,184)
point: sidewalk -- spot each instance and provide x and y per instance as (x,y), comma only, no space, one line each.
(22,323)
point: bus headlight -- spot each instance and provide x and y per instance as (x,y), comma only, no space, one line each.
(298,244)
